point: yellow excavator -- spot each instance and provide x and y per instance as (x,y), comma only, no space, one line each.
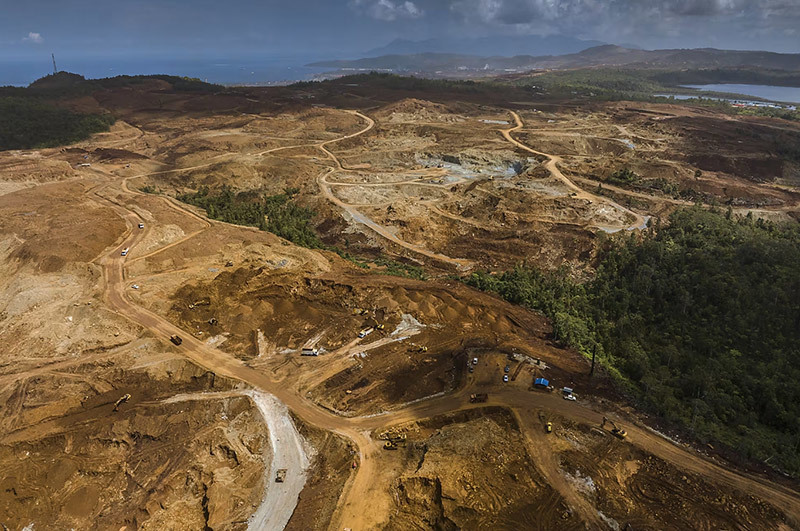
(616,431)
(393,439)
(376,325)
(121,400)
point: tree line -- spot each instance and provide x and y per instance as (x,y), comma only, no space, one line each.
(698,320)
(27,123)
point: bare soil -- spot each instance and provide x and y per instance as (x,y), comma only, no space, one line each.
(451,182)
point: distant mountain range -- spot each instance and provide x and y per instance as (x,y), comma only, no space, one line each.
(605,55)
(507,46)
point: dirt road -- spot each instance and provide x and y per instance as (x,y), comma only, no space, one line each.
(359,217)
(362,505)
(288,452)
(552,166)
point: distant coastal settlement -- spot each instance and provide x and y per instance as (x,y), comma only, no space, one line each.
(768,96)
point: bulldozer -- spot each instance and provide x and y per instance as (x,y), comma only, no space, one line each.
(616,431)
(121,400)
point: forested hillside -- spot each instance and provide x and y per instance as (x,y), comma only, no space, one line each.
(27,123)
(699,319)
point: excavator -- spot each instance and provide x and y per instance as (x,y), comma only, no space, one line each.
(121,400)
(616,431)
(393,439)
(376,325)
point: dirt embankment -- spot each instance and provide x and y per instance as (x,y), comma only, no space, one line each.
(153,463)
(455,473)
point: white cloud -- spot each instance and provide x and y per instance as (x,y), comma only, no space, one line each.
(388,10)
(34,37)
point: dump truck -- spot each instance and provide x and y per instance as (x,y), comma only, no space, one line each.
(280,475)
(176,340)
(477,398)
(548,428)
(390,445)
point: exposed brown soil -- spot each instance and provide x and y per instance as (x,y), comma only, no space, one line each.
(452,182)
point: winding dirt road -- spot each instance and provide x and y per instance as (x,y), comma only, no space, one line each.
(359,217)
(362,502)
(358,497)
(552,166)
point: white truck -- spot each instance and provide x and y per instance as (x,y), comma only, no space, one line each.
(125,251)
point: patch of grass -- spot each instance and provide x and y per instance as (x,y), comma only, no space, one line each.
(624,176)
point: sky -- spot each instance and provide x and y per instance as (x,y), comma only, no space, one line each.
(346,28)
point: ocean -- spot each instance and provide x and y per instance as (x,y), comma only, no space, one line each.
(225,71)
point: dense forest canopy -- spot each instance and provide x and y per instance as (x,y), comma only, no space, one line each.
(32,117)
(277,214)
(27,123)
(699,320)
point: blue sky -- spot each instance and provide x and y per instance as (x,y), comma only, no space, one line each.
(336,28)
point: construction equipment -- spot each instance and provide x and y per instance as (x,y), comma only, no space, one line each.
(390,445)
(548,428)
(280,475)
(418,348)
(360,311)
(121,400)
(201,302)
(376,324)
(393,436)
(176,340)
(229,263)
(616,431)
(477,398)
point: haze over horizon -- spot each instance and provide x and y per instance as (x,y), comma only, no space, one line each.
(84,32)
